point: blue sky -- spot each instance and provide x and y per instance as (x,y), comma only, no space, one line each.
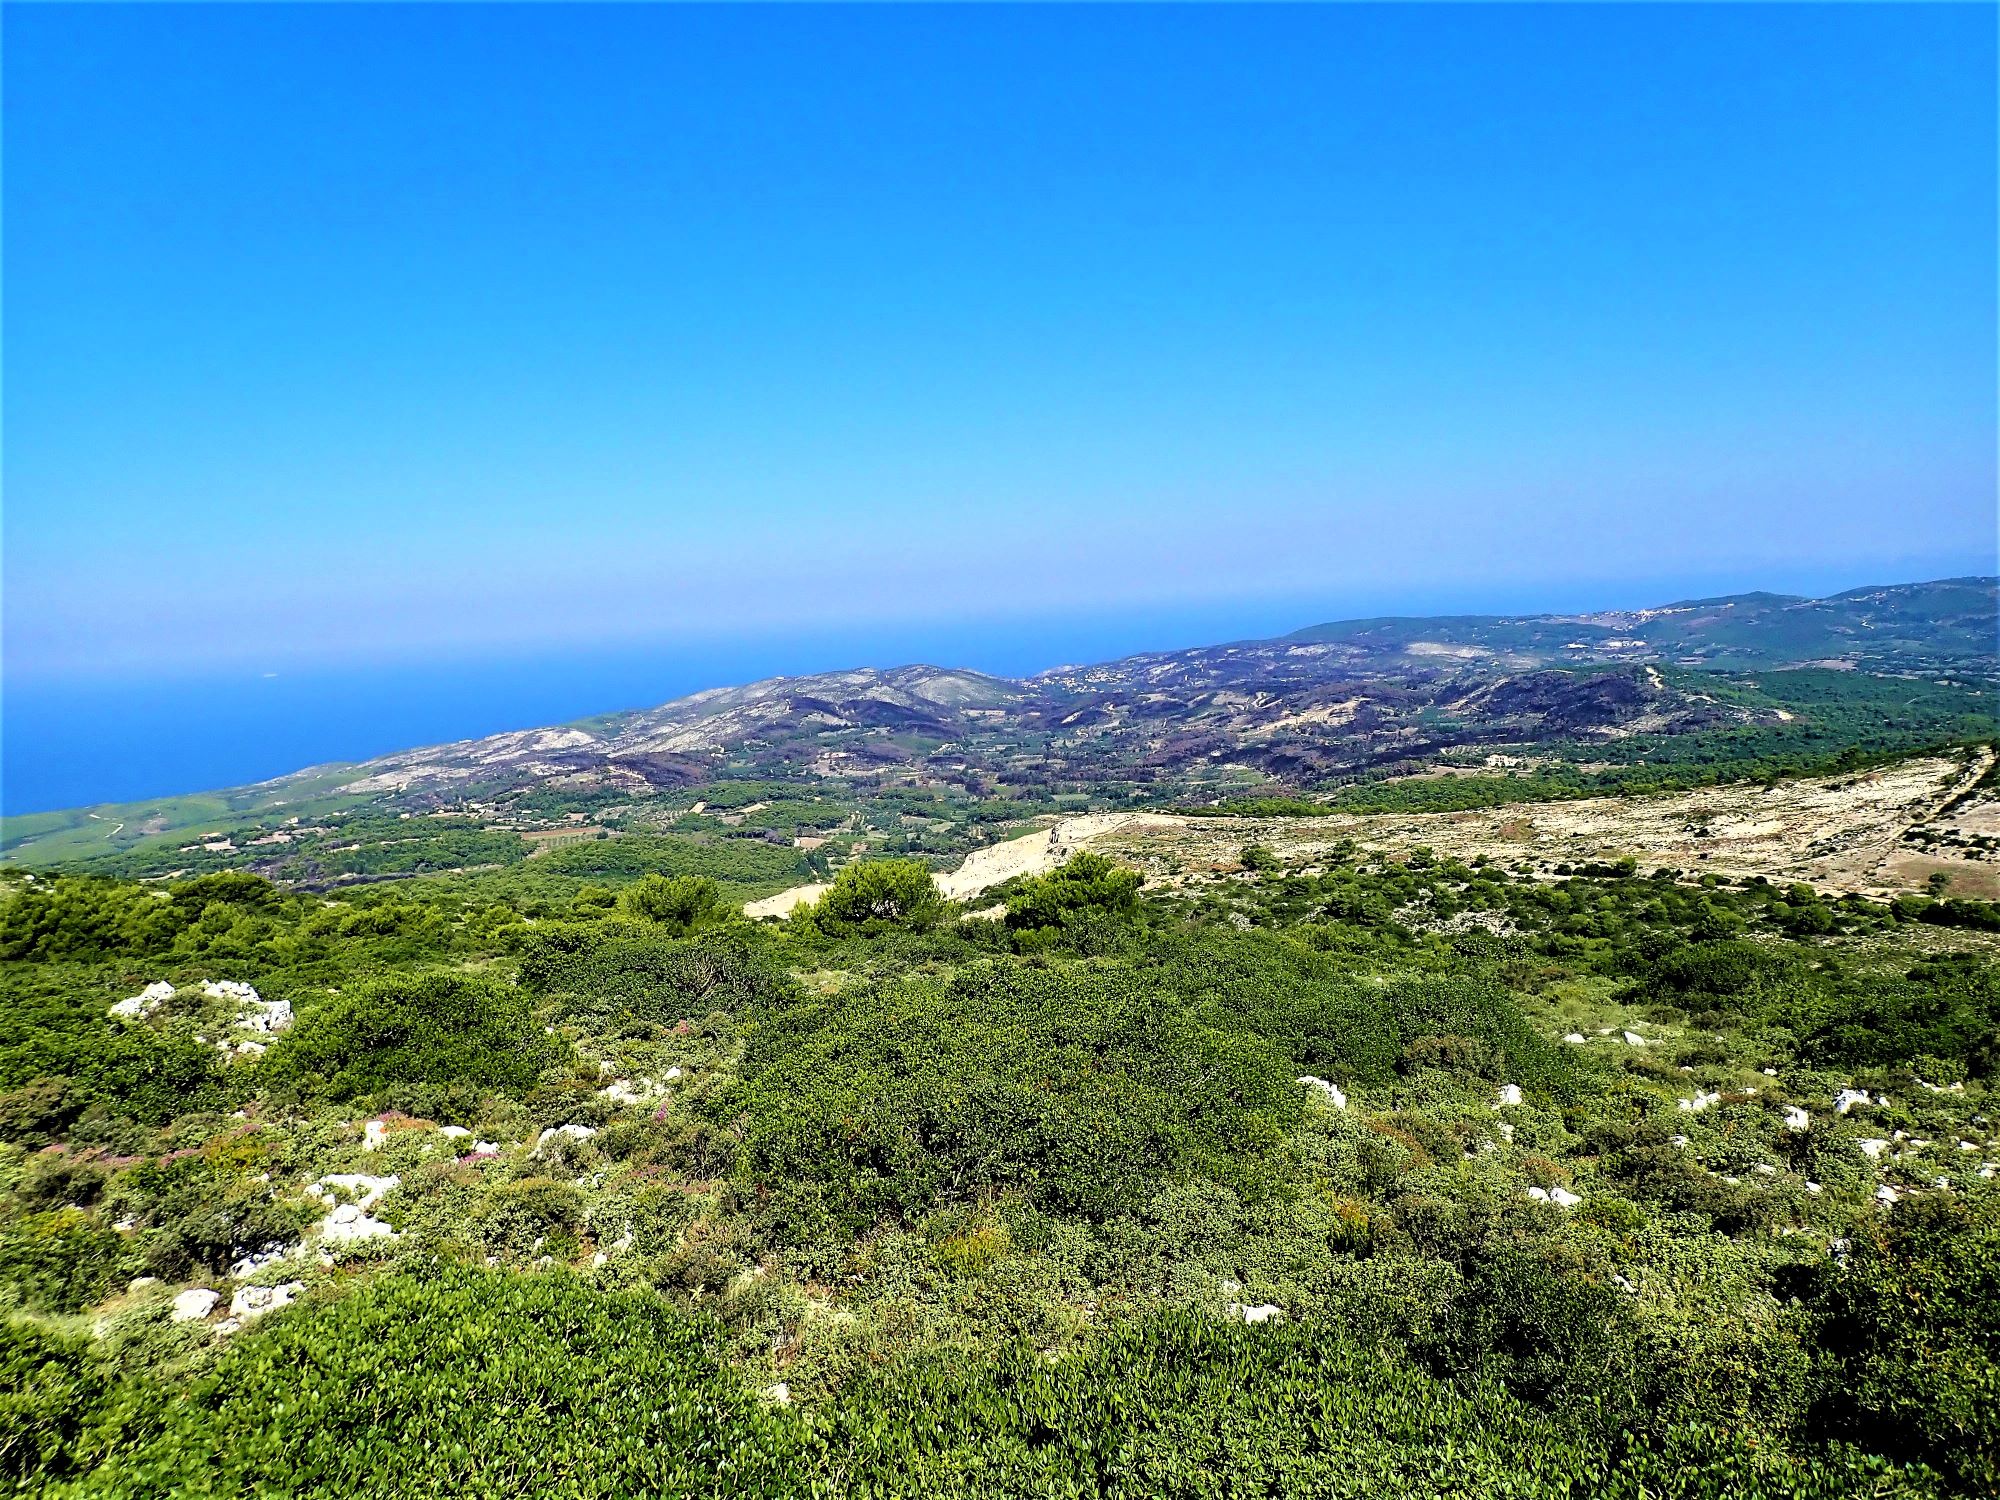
(339,334)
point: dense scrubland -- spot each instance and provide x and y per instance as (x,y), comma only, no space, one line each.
(1375,1176)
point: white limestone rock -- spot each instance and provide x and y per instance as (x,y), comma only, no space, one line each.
(252,1302)
(628,1091)
(349,1224)
(143,1004)
(1796,1118)
(195,1303)
(1330,1091)
(559,1133)
(268,1016)
(254,1262)
(366,1191)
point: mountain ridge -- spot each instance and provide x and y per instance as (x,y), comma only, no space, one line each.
(1330,702)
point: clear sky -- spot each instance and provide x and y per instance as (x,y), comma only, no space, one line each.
(355,332)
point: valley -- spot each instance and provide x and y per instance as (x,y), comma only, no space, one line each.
(1423,1058)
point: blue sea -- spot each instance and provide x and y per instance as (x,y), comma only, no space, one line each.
(83,741)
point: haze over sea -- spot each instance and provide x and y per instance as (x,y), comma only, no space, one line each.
(78,740)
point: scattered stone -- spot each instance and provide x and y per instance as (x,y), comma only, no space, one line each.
(1796,1118)
(143,1004)
(1576,1039)
(1846,1099)
(374,1135)
(1331,1091)
(1633,1039)
(1873,1147)
(252,1302)
(1510,1095)
(351,1223)
(193,1304)
(562,1133)
(623,1092)
(251,1264)
(267,1016)
(1699,1102)
(368,1191)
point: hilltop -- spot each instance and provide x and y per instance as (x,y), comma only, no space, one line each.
(1412,1062)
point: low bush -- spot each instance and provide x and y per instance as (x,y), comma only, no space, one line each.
(415,1040)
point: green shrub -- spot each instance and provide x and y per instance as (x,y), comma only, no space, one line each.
(62,1058)
(466,1383)
(59,1261)
(622,974)
(1082,1087)
(879,895)
(680,903)
(1085,883)
(63,1407)
(415,1038)
(1910,1328)
(200,1210)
